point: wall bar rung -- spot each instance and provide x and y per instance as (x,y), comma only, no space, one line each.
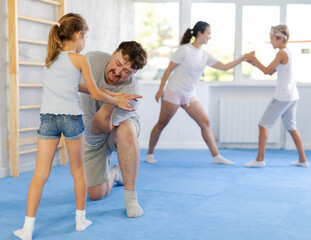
(29,107)
(28,129)
(32,41)
(30,85)
(28,140)
(28,151)
(39,20)
(31,63)
(34,150)
(50,2)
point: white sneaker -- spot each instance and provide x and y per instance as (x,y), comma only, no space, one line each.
(255,163)
(150,159)
(116,169)
(221,160)
(300,164)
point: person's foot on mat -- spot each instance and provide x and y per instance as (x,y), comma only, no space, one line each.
(23,234)
(116,169)
(221,160)
(300,164)
(255,163)
(133,209)
(150,159)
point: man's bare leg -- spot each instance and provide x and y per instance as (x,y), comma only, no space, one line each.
(129,155)
(100,191)
(102,120)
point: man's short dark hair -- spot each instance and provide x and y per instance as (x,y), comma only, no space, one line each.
(137,56)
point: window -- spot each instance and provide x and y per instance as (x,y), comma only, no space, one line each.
(221,45)
(255,37)
(300,39)
(237,27)
(157,29)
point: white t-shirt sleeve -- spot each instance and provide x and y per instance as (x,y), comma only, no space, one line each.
(210,60)
(179,55)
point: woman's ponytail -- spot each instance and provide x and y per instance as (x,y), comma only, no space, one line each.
(186,37)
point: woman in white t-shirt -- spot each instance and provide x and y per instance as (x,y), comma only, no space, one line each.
(188,63)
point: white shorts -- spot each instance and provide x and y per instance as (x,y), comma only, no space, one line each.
(173,97)
(284,109)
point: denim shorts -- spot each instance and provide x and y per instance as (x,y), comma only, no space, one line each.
(53,125)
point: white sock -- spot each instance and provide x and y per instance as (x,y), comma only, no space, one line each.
(221,160)
(150,159)
(81,222)
(255,163)
(131,204)
(300,164)
(116,169)
(26,232)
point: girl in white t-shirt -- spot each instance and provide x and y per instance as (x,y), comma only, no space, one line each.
(285,98)
(188,63)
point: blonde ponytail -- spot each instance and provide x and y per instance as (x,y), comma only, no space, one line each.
(54,45)
(64,30)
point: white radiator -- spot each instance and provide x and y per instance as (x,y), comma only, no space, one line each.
(239,121)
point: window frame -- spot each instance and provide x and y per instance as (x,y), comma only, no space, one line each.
(185,22)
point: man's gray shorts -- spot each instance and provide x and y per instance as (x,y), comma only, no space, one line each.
(97,158)
(284,109)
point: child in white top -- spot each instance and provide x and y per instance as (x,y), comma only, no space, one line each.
(61,114)
(285,98)
(188,63)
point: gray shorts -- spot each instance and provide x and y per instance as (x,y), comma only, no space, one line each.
(97,158)
(284,109)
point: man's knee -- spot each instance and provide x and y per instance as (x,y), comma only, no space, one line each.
(126,132)
(99,192)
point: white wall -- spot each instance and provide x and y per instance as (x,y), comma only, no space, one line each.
(110,22)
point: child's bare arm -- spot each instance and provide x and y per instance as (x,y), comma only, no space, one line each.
(271,68)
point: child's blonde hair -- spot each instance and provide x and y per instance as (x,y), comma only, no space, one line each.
(280,31)
(63,30)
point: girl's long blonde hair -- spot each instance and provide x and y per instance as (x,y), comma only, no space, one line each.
(63,30)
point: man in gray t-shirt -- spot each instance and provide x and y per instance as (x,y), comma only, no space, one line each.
(109,129)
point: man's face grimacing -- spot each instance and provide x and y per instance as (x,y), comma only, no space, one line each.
(118,70)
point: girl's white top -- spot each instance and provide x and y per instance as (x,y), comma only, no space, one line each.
(286,89)
(60,87)
(186,75)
